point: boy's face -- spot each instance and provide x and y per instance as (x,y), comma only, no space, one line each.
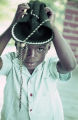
(35,55)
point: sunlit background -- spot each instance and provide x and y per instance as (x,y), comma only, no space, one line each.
(68,90)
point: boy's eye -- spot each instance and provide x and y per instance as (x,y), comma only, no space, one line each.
(40,49)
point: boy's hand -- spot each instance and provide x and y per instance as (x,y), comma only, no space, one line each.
(51,15)
(21,10)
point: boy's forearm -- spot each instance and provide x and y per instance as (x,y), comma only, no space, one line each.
(6,36)
(4,39)
(64,52)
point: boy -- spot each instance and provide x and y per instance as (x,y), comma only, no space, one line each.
(31,79)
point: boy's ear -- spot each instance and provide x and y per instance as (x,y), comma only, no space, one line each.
(49,46)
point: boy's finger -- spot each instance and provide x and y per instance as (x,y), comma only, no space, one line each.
(49,11)
(24,5)
(23,8)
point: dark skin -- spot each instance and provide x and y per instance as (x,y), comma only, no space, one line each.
(66,61)
(35,55)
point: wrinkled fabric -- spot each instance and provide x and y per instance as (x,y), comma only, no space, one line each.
(40,98)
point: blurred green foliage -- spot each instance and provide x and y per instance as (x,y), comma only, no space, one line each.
(3,2)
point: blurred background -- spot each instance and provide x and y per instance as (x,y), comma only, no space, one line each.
(67,23)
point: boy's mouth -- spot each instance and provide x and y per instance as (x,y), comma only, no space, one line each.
(30,64)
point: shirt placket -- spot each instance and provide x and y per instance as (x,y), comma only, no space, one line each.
(30,97)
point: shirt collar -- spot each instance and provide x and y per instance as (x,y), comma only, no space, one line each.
(25,70)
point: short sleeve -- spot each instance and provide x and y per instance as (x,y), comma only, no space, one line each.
(7,64)
(55,74)
(65,77)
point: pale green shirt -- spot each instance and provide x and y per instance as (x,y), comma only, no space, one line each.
(40,98)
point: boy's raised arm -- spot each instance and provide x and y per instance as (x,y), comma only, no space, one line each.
(67,61)
(4,39)
(6,36)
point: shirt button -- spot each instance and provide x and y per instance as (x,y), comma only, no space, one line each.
(30,110)
(30,94)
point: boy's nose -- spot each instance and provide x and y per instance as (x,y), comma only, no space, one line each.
(31,53)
